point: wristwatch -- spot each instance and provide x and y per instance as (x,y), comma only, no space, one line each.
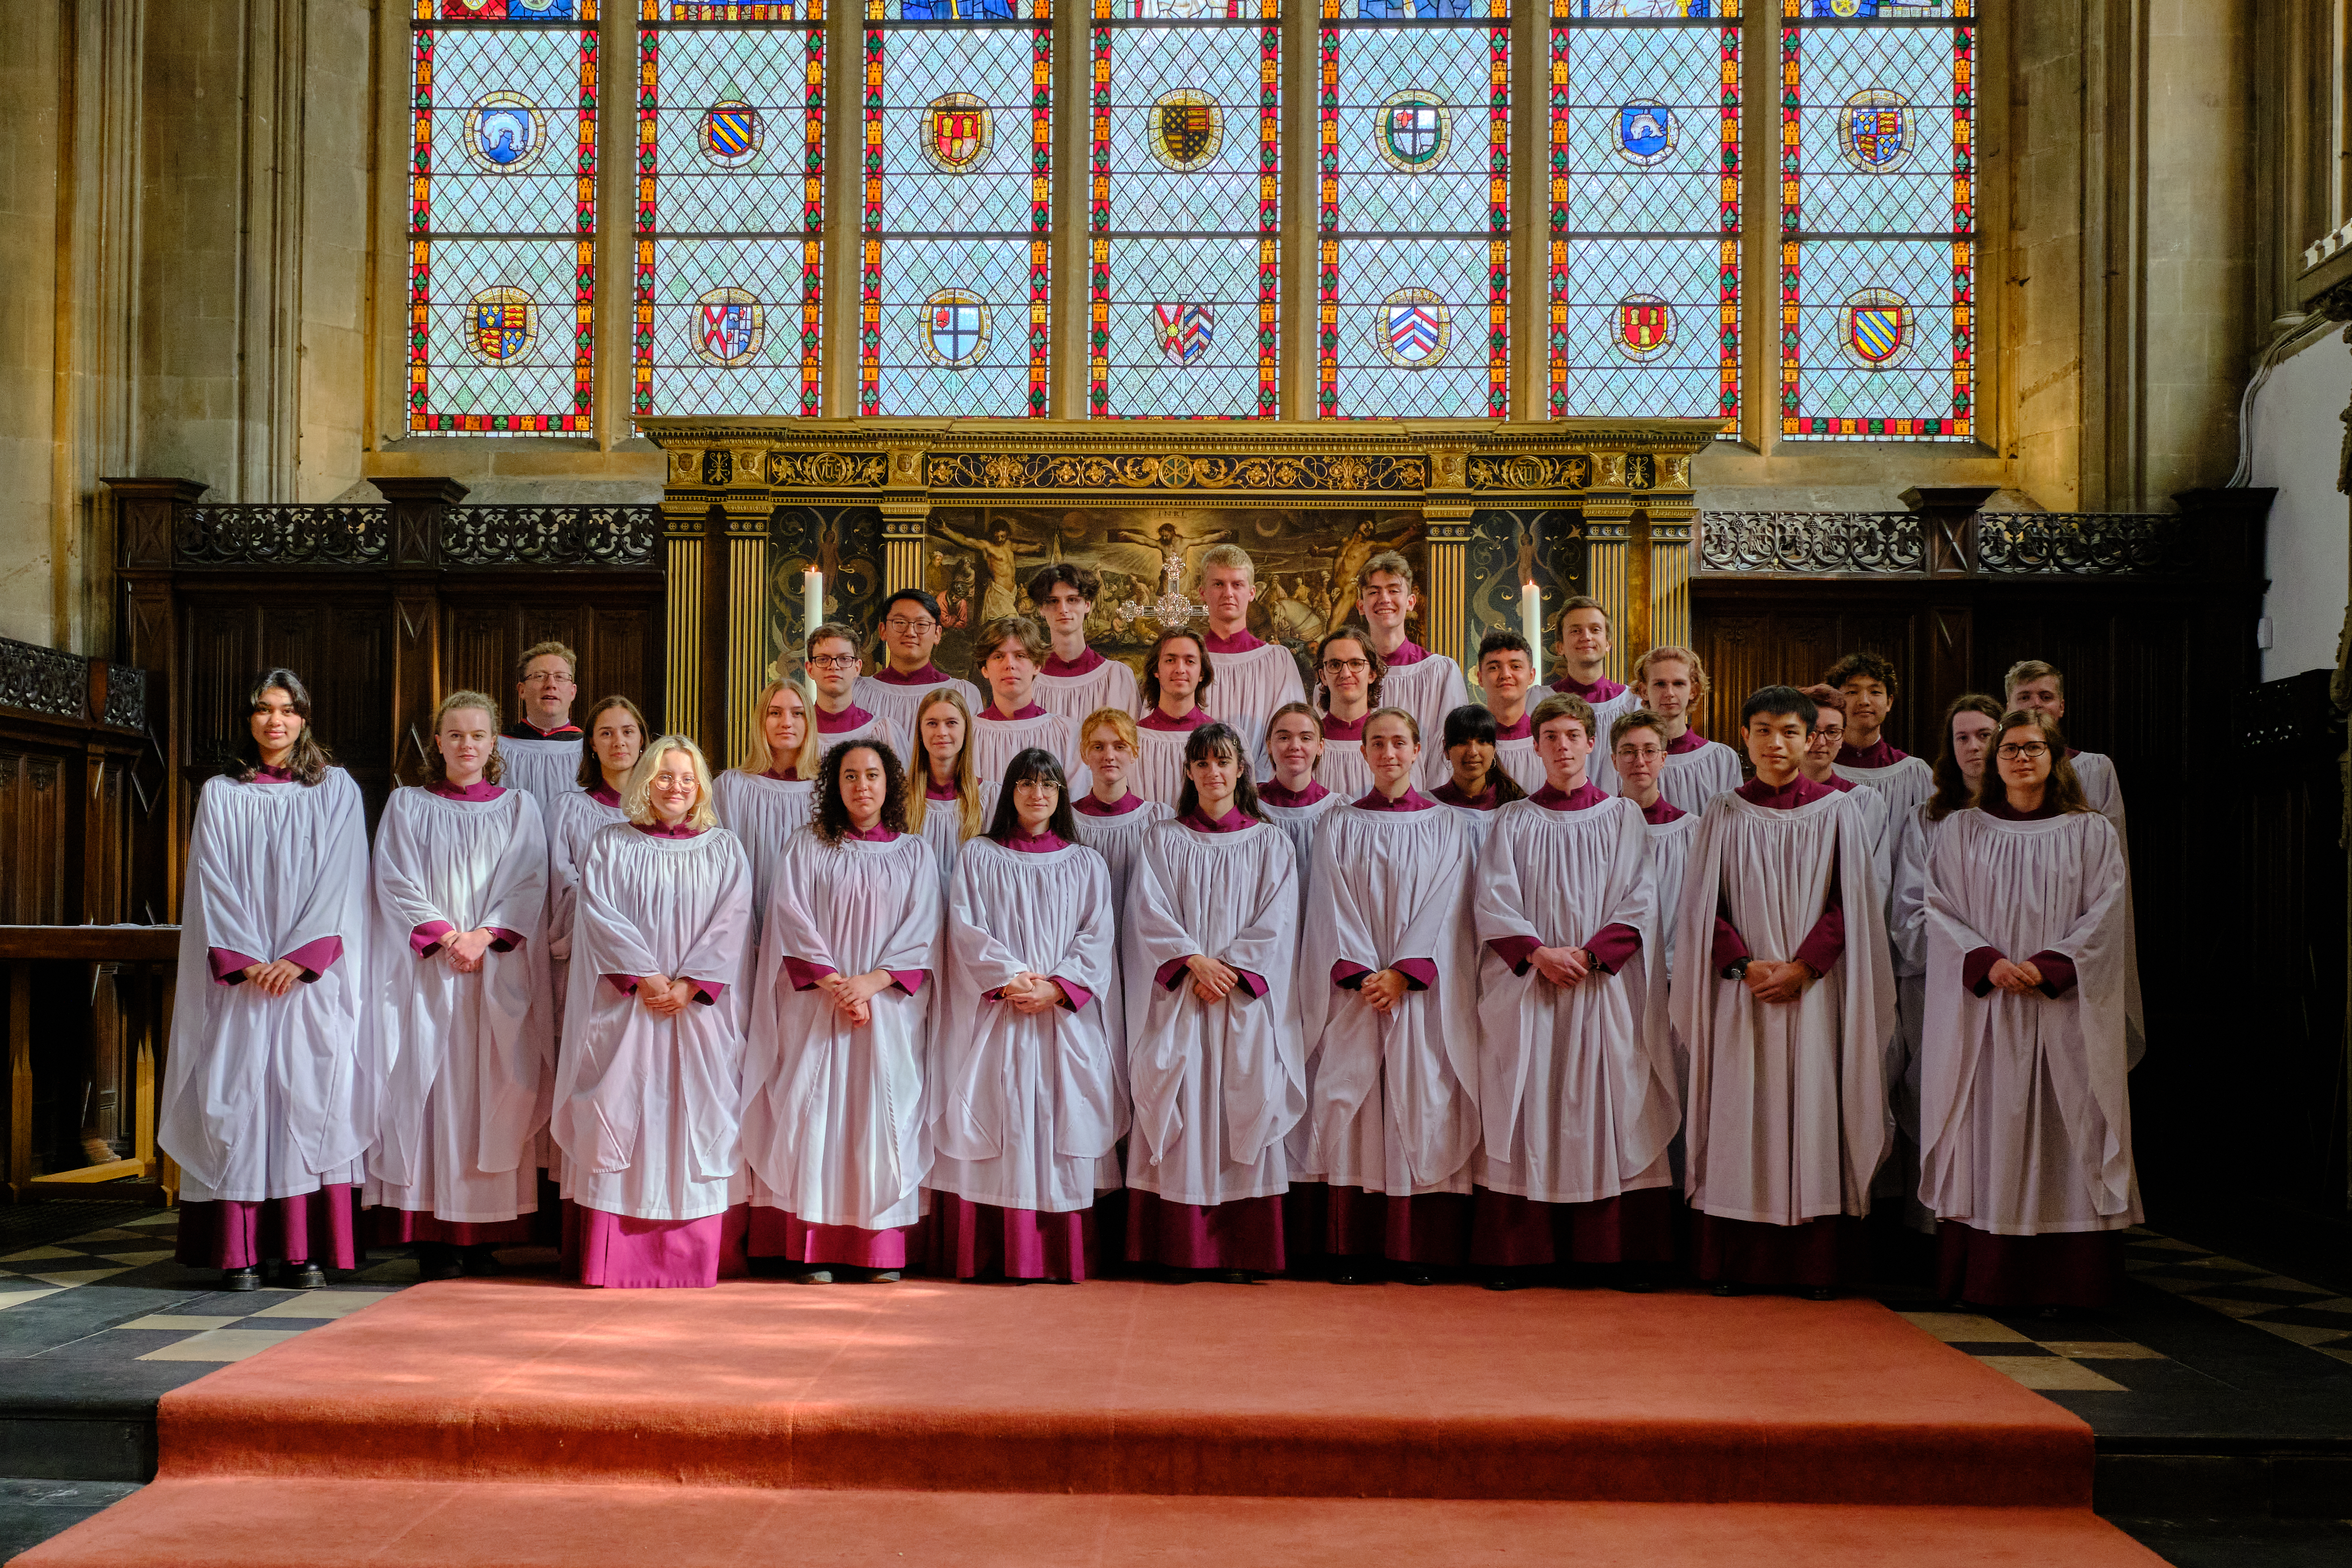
(1737,968)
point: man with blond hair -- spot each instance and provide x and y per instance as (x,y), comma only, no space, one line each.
(1673,683)
(541,750)
(1254,677)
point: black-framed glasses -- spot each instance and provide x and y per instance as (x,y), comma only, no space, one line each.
(2029,748)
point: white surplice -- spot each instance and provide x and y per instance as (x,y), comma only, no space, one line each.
(1516,760)
(1024,1105)
(1786,1113)
(898,705)
(1301,824)
(465,1063)
(1159,771)
(996,742)
(1429,689)
(1576,1084)
(878,728)
(1216,1084)
(1119,841)
(545,770)
(1691,779)
(1344,772)
(1110,684)
(2096,771)
(762,813)
(262,1095)
(1905,785)
(833,1111)
(1669,859)
(578,819)
(1392,1099)
(647,1109)
(1251,685)
(1598,767)
(2026,1114)
(942,828)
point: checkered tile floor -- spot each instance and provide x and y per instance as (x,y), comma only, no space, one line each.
(38,1271)
(2308,1315)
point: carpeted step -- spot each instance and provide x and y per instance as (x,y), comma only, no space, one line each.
(223,1523)
(1287,1389)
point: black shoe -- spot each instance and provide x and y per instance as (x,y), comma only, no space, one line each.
(1821,1293)
(1231,1276)
(438,1260)
(1504,1282)
(1345,1274)
(479,1262)
(1415,1277)
(303,1276)
(240,1279)
(1637,1285)
(1725,1287)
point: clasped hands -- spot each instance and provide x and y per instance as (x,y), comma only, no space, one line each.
(665,997)
(1563,965)
(1770,982)
(1212,981)
(853,994)
(2017,979)
(272,979)
(464,948)
(1027,993)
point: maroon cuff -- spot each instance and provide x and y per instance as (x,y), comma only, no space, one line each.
(1826,943)
(315,958)
(1419,973)
(1168,973)
(1256,984)
(907,980)
(1728,947)
(1519,951)
(1349,975)
(1074,995)
(227,968)
(426,939)
(1611,946)
(804,974)
(503,940)
(1975,970)
(708,991)
(2057,973)
(627,984)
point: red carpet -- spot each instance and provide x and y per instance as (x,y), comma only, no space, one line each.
(515,1422)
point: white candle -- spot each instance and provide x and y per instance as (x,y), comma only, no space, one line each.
(1531,627)
(812,600)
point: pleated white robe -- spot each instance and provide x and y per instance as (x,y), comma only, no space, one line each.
(1344,772)
(465,1063)
(1905,785)
(877,728)
(834,1130)
(1024,1106)
(1906,927)
(1691,779)
(1785,1111)
(897,705)
(262,1095)
(942,830)
(1518,760)
(578,819)
(2026,1114)
(2096,771)
(1429,689)
(1159,771)
(1392,1102)
(648,1109)
(762,813)
(1669,859)
(1597,767)
(1300,824)
(1216,1084)
(1251,685)
(1119,841)
(996,742)
(1576,1084)
(1110,684)
(545,770)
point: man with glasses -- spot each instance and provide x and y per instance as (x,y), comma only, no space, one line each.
(910,633)
(1637,746)
(1819,764)
(833,670)
(1075,681)
(541,750)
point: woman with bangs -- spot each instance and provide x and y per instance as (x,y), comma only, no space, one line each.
(766,800)
(954,802)
(1478,785)
(1024,1103)
(835,1137)
(648,1102)
(463,1045)
(1213,921)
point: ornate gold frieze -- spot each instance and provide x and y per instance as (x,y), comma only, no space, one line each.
(1347,473)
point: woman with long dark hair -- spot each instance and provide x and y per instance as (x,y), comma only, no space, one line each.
(1213,1055)
(1478,785)
(1024,1103)
(263,1106)
(617,739)
(834,1135)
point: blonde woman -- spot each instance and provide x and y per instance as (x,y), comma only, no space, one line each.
(463,1039)
(764,801)
(948,804)
(648,1099)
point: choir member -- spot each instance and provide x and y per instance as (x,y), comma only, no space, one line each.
(1506,675)
(1785,999)
(1026,1101)
(1349,687)
(954,802)
(832,672)
(834,1138)
(1254,677)
(1819,764)
(262,1106)
(462,1047)
(1576,1075)
(1177,675)
(912,629)
(1075,680)
(1215,1061)
(542,749)
(1637,744)
(1479,785)
(1294,797)
(766,800)
(1426,685)
(647,1092)
(2026,1114)
(1673,683)
(1970,722)
(1584,650)
(1111,821)
(617,738)
(1010,648)
(1864,685)
(1388,1014)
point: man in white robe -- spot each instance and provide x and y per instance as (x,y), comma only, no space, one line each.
(1011,649)
(1075,681)
(1507,678)
(1864,685)
(1637,742)
(1179,681)
(1254,677)
(1785,997)
(1673,683)
(912,629)
(1576,1085)
(833,675)
(1819,764)
(1426,685)
(542,750)
(1584,649)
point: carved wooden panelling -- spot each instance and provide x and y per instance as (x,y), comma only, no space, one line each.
(34,840)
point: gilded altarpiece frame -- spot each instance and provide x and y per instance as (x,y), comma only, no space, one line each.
(970,510)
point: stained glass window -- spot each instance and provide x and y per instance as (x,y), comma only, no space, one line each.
(957,208)
(1644,264)
(1878,219)
(730,215)
(1184,207)
(1413,230)
(502,215)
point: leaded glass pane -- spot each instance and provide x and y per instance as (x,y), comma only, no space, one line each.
(1414,213)
(502,216)
(959,189)
(1185,213)
(1645,268)
(1878,220)
(730,159)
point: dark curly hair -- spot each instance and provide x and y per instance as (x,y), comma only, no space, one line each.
(1376,666)
(309,761)
(829,820)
